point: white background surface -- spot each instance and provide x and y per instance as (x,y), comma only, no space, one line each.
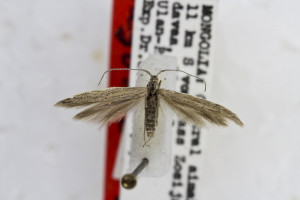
(50,50)
(54,49)
(257,76)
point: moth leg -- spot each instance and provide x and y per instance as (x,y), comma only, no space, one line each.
(145,121)
(144,132)
(159,84)
(156,112)
(147,141)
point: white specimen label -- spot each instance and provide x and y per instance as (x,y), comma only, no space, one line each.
(185,30)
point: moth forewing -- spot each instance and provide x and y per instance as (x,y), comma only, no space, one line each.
(183,113)
(197,110)
(105,106)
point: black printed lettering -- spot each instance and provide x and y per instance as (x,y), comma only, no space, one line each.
(159,29)
(174,33)
(188,38)
(162,50)
(146,11)
(162,8)
(207,13)
(185,86)
(205,37)
(191,185)
(176,9)
(192,11)
(144,42)
(188,61)
(180,133)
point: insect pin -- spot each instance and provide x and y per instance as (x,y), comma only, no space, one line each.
(111,105)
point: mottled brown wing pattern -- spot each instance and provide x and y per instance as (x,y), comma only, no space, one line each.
(105,106)
(197,110)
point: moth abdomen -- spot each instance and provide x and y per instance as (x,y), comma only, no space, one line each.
(151,114)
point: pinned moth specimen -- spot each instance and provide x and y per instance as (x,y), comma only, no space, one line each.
(111,104)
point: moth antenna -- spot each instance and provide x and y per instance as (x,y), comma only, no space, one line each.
(178,70)
(123,69)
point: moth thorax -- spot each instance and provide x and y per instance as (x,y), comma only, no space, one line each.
(152,84)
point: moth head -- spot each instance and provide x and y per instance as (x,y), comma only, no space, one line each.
(153,84)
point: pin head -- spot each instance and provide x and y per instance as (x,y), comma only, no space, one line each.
(128,181)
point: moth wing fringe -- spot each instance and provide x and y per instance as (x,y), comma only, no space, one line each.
(105,106)
(197,110)
(106,95)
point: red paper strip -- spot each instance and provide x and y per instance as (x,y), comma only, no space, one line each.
(119,58)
